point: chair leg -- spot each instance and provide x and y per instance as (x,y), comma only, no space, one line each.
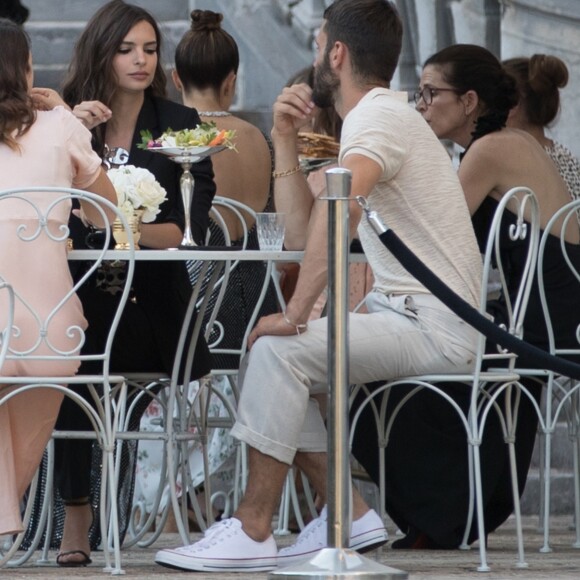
(10,545)
(284,510)
(47,515)
(541,479)
(521,563)
(483,566)
(576,457)
(546,468)
(464,543)
(575,403)
(110,514)
(512,408)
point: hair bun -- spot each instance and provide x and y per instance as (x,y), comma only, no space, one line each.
(547,73)
(205,20)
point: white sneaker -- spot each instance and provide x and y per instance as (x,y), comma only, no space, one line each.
(224,547)
(367,533)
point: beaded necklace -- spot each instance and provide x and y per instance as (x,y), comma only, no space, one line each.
(214,113)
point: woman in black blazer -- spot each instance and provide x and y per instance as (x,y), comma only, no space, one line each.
(116,87)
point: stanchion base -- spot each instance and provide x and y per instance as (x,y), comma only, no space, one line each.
(338,563)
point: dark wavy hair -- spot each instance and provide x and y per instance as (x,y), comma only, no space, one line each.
(206,54)
(91,75)
(17,112)
(539,79)
(14,10)
(373,32)
(468,67)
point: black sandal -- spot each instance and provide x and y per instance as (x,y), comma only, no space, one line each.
(85,560)
(73,563)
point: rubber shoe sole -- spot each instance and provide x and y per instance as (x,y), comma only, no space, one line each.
(372,536)
(171,559)
(370,540)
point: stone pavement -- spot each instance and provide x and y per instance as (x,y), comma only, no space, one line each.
(563,562)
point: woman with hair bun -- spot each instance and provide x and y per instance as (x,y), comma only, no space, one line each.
(466,96)
(206,68)
(539,79)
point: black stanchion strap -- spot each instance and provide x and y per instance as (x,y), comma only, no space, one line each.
(469,314)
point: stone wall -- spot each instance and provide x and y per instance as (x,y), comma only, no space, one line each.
(550,27)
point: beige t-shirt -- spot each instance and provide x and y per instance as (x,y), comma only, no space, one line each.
(419,196)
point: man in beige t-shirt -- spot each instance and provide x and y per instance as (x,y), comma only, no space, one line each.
(403,170)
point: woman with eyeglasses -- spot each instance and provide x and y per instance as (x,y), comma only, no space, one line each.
(466,96)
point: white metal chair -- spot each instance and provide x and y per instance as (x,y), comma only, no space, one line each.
(193,419)
(559,268)
(156,388)
(487,385)
(46,209)
(216,331)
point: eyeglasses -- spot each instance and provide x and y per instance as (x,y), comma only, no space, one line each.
(426,93)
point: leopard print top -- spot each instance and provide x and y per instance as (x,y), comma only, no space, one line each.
(568,166)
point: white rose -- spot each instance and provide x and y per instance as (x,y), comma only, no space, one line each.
(151,195)
(137,188)
(127,209)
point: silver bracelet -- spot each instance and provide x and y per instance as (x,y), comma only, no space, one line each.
(299,327)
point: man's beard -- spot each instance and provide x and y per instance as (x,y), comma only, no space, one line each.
(325,84)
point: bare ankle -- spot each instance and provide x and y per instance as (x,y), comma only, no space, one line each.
(258,528)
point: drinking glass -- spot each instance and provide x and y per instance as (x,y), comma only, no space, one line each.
(271,227)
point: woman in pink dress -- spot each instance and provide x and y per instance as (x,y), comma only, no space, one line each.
(37,148)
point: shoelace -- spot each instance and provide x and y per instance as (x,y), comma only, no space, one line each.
(309,530)
(214,534)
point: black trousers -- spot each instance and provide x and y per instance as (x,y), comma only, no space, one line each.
(426,468)
(136,348)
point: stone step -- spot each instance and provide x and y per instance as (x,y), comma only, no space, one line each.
(562,449)
(561,493)
(53,43)
(269,51)
(82,10)
(562,480)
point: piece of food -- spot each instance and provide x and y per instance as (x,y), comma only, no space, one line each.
(204,135)
(317,145)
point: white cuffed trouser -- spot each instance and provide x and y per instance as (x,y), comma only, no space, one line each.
(402,335)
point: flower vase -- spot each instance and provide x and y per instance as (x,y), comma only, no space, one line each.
(120,233)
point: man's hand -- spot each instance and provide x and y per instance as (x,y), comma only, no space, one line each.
(272,325)
(292,110)
(92,113)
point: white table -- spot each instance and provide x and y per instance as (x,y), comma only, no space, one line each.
(203,255)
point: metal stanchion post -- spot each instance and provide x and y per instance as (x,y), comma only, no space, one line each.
(337,561)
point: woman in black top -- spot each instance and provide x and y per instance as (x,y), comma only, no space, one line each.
(116,87)
(466,96)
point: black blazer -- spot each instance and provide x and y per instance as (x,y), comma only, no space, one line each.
(162,289)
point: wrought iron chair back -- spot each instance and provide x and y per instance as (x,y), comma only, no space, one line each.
(57,339)
(487,384)
(558,279)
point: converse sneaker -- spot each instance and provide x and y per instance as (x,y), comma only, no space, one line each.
(225,547)
(367,533)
